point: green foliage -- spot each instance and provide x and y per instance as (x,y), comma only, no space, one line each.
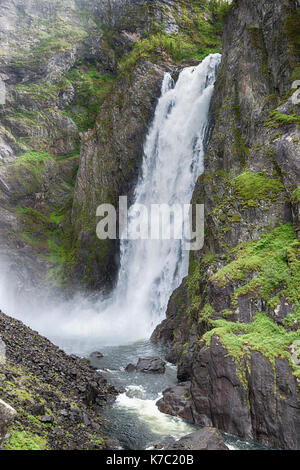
(22,440)
(292,30)
(91,89)
(278,119)
(268,268)
(252,187)
(295,199)
(262,335)
(200,34)
(33,158)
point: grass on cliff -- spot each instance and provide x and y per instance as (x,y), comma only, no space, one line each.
(277,119)
(91,88)
(295,199)
(268,268)
(252,187)
(199,34)
(33,158)
(262,335)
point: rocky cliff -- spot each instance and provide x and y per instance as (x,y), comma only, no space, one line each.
(79,81)
(233,325)
(62,65)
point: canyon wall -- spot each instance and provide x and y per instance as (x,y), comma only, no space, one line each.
(233,325)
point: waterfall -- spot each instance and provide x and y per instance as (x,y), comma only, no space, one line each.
(150,270)
(173,160)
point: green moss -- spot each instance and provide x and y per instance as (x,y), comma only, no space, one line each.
(252,187)
(262,335)
(278,119)
(22,440)
(293,319)
(91,90)
(295,198)
(258,41)
(292,31)
(33,157)
(268,268)
(200,33)
(192,284)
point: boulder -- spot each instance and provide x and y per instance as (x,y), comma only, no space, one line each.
(177,401)
(151,365)
(203,439)
(94,359)
(97,355)
(130,368)
(7,415)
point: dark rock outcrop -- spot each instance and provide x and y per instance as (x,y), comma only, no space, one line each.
(151,365)
(130,368)
(204,439)
(177,401)
(148,365)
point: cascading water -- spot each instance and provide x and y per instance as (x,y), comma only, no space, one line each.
(150,269)
(173,159)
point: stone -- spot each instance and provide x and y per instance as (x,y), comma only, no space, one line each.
(177,401)
(37,410)
(151,365)
(130,368)
(96,354)
(7,416)
(204,439)
(47,419)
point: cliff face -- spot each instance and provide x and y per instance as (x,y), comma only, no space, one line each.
(109,166)
(58,63)
(62,65)
(233,325)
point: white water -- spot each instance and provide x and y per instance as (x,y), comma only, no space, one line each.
(148,413)
(150,270)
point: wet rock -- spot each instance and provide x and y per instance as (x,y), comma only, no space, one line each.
(130,368)
(151,365)
(167,442)
(177,401)
(204,439)
(97,355)
(95,359)
(7,415)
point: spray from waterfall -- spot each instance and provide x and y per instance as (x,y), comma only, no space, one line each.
(150,269)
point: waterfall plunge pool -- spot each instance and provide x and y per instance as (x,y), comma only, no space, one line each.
(134,419)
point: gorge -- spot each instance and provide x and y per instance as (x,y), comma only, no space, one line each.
(133,98)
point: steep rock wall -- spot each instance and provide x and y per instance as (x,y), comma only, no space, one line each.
(236,316)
